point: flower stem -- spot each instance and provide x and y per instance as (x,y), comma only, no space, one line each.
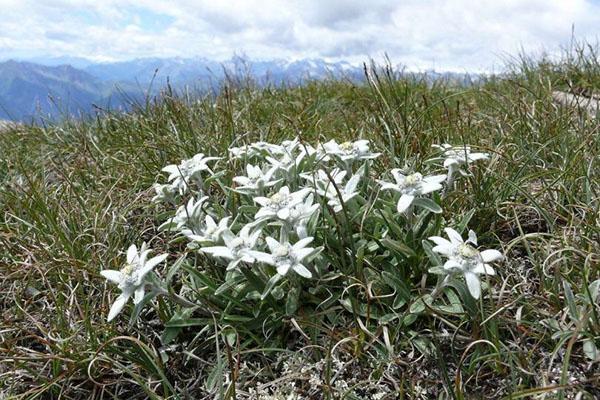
(175,297)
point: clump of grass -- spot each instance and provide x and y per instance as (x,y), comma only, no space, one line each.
(74,195)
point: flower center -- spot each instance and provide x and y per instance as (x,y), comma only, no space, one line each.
(237,245)
(279,200)
(413,180)
(282,251)
(128,269)
(283,254)
(347,146)
(468,251)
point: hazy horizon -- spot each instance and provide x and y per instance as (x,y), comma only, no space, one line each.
(421,35)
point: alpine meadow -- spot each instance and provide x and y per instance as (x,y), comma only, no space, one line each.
(394,238)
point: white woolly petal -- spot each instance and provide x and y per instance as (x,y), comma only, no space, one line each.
(117,306)
(452,265)
(302,243)
(218,251)
(263,201)
(479,156)
(112,275)
(428,187)
(484,269)
(352,183)
(132,253)
(472,237)
(450,161)
(440,241)
(284,213)
(282,269)
(454,236)
(151,263)
(435,179)
(302,271)
(262,257)
(405,202)
(491,255)
(242,180)
(398,176)
(301,254)
(233,264)
(272,243)
(445,250)
(264,213)
(389,186)
(473,284)
(138,295)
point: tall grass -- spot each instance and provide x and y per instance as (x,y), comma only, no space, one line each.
(74,195)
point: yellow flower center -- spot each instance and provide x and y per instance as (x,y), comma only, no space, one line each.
(467,251)
(281,251)
(413,179)
(347,146)
(128,269)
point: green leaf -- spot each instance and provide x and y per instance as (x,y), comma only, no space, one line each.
(467,300)
(570,299)
(423,344)
(140,306)
(228,284)
(171,332)
(387,318)
(419,305)
(269,286)
(409,319)
(428,204)
(292,302)
(434,258)
(590,350)
(398,247)
(174,268)
(185,322)
(215,377)
(464,222)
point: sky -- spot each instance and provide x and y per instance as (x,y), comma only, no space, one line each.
(420,34)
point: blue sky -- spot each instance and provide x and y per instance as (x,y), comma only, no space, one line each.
(450,34)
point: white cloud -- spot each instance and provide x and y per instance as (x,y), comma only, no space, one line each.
(453,34)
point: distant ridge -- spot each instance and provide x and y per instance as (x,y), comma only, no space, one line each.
(29,91)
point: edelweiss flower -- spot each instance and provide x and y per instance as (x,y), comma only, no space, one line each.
(411,186)
(279,204)
(244,151)
(350,151)
(256,149)
(455,155)
(287,146)
(237,248)
(211,232)
(347,193)
(464,258)
(164,193)
(188,169)
(189,216)
(286,162)
(300,214)
(256,180)
(131,277)
(320,180)
(285,256)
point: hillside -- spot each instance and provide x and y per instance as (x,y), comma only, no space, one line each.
(377,310)
(29,89)
(51,90)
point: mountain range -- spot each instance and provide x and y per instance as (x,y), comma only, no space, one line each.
(54,87)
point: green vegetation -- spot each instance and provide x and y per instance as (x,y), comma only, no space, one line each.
(74,196)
